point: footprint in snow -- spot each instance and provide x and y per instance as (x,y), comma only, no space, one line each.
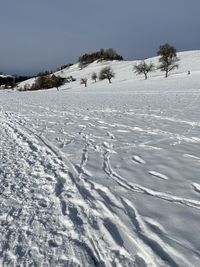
(196,187)
(107,145)
(191,156)
(138,160)
(139,262)
(123,131)
(110,135)
(103,127)
(86,118)
(158,175)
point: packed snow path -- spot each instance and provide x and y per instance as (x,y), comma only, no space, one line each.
(47,218)
(100,178)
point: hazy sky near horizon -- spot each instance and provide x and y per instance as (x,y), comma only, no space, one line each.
(45,34)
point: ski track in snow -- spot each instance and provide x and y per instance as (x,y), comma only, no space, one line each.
(59,213)
(58,218)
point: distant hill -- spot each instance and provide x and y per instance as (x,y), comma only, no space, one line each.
(8,81)
(188,61)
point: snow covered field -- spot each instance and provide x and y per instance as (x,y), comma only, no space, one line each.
(103,176)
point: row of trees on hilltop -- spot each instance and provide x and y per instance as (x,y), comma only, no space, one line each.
(168,62)
(103,54)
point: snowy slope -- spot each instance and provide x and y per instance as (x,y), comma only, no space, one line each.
(106,175)
(189,60)
(124,69)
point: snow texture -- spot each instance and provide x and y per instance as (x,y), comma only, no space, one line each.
(106,175)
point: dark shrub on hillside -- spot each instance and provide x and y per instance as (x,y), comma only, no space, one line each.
(46,81)
(44,73)
(66,66)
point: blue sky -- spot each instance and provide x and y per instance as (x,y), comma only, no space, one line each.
(45,34)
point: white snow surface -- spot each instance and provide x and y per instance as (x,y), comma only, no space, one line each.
(106,175)
(5,76)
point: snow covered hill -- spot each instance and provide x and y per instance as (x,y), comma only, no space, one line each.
(106,175)
(188,61)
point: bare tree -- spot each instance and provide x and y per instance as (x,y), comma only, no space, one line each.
(57,81)
(106,73)
(143,68)
(94,77)
(168,59)
(84,81)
